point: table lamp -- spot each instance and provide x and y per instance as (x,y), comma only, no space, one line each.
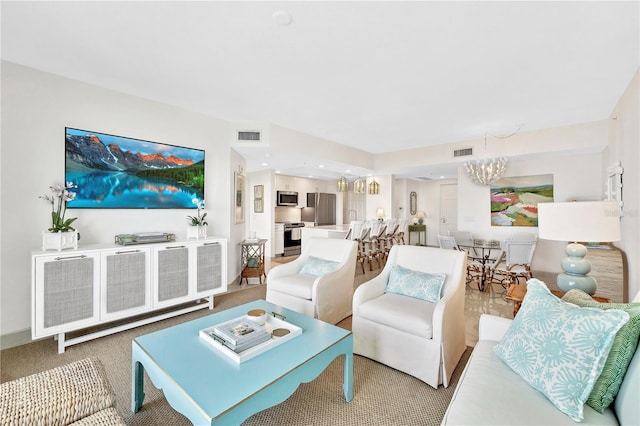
(380,214)
(421,217)
(589,221)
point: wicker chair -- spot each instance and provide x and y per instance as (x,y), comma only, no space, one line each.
(78,393)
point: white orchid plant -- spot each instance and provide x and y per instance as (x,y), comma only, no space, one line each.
(60,196)
(198,220)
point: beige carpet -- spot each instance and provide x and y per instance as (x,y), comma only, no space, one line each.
(382,396)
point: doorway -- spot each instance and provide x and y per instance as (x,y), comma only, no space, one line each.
(448,208)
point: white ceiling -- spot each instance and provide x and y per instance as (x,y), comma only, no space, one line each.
(379,76)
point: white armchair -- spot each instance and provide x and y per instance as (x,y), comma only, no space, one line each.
(420,338)
(326,297)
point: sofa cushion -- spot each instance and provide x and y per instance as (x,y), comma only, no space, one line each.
(559,348)
(626,403)
(400,312)
(490,393)
(316,266)
(299,285)
(624,346)
(421,285)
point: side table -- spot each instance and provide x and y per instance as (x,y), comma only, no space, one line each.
(252,259)
(516,293)
(420,229)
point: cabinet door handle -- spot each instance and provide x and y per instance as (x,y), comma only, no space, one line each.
(128,251)
(80,256)
(211,244)
(174,247)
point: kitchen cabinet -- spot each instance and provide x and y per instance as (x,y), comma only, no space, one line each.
(93,285)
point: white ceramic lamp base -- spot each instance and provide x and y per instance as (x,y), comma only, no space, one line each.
(576,268)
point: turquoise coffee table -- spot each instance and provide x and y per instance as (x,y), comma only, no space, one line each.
(207,387)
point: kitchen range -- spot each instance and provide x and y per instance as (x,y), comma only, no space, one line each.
(292,238)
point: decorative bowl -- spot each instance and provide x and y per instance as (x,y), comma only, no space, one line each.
(258,316)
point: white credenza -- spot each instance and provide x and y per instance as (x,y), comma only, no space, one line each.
(94,285)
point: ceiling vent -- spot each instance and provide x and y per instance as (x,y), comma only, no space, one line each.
(249,136)
(463,152)
(245,134)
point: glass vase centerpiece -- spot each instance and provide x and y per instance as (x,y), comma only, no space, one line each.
(197,227)
(61,235)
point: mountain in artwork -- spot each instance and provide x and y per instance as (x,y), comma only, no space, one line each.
(89,152)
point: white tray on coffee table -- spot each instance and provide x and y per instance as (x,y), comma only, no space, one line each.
(272,322)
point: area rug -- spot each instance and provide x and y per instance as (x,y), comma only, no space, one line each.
(382,395)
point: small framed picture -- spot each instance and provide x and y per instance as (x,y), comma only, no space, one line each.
(258,191)
(258,206)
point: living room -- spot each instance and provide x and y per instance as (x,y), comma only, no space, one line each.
(37,105)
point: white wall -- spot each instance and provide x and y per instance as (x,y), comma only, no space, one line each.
(624,132)
(262,223)
(36,107)
(383,200)
(575,177)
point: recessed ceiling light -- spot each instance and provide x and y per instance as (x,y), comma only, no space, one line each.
(347,171)
(282,18)
(441,177)
(265,164)
(321,166)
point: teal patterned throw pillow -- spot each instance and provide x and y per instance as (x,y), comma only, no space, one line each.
(421,285)
(621,353)
(316,266)
(559,348)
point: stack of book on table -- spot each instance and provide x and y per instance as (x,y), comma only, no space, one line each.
(240,334)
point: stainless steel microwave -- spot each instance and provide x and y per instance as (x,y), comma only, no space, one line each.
(287,198)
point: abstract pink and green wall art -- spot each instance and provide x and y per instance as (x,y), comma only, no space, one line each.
(514,200)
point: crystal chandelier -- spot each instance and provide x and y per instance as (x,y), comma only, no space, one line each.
(359,186)
(343,185)
(488,170)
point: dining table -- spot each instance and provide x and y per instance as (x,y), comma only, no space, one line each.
(483,251)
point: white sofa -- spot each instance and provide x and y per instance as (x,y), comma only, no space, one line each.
(420,338)
(327,297)
(490,393)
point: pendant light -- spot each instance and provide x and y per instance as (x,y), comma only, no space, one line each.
(359,185)
(343,185)
(374,187)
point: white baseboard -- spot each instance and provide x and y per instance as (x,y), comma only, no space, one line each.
(18,338)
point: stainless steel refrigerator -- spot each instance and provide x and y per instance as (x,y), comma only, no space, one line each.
(321,209)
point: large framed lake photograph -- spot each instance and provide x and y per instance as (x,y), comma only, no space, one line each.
(117,172)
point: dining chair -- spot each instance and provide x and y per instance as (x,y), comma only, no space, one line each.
(403,226)
(365,249)
(524,236)
(446,242)
(355,229)
(379,244)
(474,268)
(462,237)
(513,263)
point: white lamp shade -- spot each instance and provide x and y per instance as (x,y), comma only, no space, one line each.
(380,213)
(588,221)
